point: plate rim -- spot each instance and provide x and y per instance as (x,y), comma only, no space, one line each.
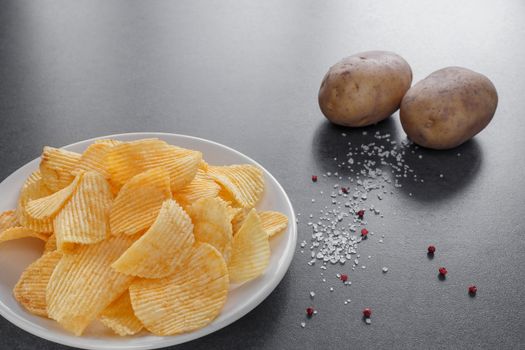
(162,342)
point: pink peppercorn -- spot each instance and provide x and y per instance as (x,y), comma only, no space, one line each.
(443,271)
(344,277)
(314,178)
(367,312)
(310,311)
(431,249)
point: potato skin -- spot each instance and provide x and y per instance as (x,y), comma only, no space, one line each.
(448,107)
(364,88)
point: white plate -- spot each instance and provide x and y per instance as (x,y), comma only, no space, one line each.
(16,255)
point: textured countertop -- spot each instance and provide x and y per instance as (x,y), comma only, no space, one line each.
(246,74)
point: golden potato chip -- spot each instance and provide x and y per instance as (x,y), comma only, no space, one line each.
(20,232)
(85,218)
(33,188)
(132,158)
(162,248)
(110,142)
(139,201)
(189,299)
(7,220)
(227,196)
(238,219)
(84,284)
(212,221)
(48,207)
(250,250)
(56,167)
(273,222)
(233,211)
(30,290)
(202,186)
(51,244)
(203,165)
(245,183)
(120,317)
(94,159)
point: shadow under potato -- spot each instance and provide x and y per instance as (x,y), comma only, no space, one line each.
(426,164)
(328,143)
(446,173)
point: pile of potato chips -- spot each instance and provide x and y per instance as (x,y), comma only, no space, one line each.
(138,234)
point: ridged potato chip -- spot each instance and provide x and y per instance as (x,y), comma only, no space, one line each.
(19,232)
(202,186)
(238,219)
(188,299)
(131,158)
(57,166)
(47,207)
(203,165)
(51,244)
(139,201)
(30,290)
(110,142)
(85,218)
(33,188)
(94,159)
(162,248)
(250,250)
(120,317)
(8,219)
(273,222)
(83,284)
(245,183)
(212,221)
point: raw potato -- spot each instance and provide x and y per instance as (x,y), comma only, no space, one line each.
(365,88)
(448,107)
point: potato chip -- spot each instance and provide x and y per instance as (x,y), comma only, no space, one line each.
(7,220)
(203,165)
(84,284)
(189,299)
(119,316)
(233,212)
(139,201)
(85,218)
(57,166)
(250,250)
(132,158)
(238,219)
(94,159)
(212,222)
(47,207)
(20,232)
(202,186)
(162,248)
(51,244)
(30,290)
(273,222)
(245,183)
(33,188)
(227,196)
(111,142)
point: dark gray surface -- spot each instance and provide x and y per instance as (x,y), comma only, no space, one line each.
(246,74)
